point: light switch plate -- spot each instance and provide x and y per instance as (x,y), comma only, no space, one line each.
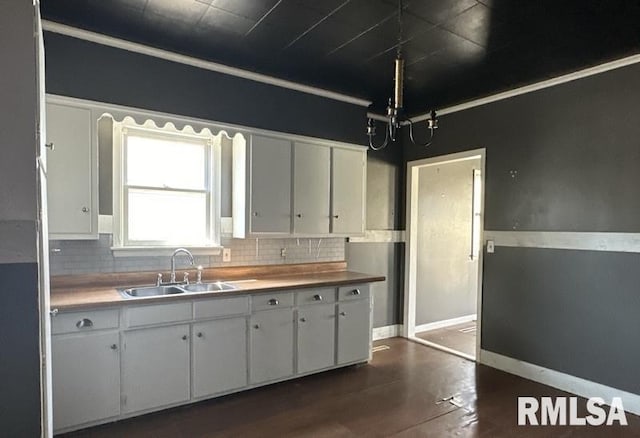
(226,254)
(491,246)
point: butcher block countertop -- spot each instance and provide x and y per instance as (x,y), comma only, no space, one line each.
(71,292)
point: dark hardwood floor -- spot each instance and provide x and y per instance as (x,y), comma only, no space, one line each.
(397,395)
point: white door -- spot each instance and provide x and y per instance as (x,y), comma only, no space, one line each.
(86,378)
(155,367)
(69,170)
(271,338)
(354,330)
(348,191)
(316,337)
(219,356)
(270,209)
(311,170)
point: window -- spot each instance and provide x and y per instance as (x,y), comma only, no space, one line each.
(166,188)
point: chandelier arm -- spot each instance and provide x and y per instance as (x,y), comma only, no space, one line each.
(383,145)
(427,144)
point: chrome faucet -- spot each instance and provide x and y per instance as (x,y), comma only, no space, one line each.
(173,262)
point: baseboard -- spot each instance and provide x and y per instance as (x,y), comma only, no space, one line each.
(445,323)
(562,381)
(388,331)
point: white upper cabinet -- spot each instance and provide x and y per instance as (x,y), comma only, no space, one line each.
(348,183)
(262,187)
(71,173)
(311,174)
(289,187)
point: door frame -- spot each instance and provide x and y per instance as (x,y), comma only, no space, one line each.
(410,268)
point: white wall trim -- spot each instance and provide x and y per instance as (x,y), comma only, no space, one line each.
(442,348)
(379,236)
(562,381)
(387,331)
(51,26)
(445,323)
(607,66)
(615,242)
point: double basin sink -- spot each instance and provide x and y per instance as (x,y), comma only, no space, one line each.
(156,291)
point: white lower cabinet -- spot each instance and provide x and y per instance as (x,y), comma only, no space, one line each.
(271,345)
(86,377)
(219,356)
(354,332)
(156,368)
(316,337)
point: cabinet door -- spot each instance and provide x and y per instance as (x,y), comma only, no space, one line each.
(86,378)
(311,171)
(316,337)
(354,331)
(155,367)
(70,168)
(271,334)
(219,356)
(270,197)
(348,191)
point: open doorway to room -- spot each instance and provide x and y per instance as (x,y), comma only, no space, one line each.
(445,204)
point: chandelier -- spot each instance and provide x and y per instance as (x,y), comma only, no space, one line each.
(396,118)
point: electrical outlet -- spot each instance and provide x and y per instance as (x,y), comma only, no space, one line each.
(491,247)
(283,253)
(226,254)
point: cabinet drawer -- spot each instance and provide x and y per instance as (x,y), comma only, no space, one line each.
(220,307)
(267,301)
(316,296)
(357,291)
(85,321)
(158,314)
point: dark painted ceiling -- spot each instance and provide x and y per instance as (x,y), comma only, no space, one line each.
(455,50)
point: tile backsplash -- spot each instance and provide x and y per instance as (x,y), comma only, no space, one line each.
(94,256)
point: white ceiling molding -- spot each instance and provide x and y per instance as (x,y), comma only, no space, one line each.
(105,40)
(623,62)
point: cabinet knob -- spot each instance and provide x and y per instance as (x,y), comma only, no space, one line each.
(299,215)
(273,302)
(53,312)
(255,214)
(85,209)
(355,292)
(256,326)
(114,347)
(317,297)
(343,313)
(335,216)
(51,146)
(303,319)
(199,334)
(185,337)
(84,322)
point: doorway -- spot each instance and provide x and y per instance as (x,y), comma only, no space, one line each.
(445,205)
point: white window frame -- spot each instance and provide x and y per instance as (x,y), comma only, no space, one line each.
(122,246)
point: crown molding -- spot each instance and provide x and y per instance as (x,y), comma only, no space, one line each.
(105,40)
(607,66)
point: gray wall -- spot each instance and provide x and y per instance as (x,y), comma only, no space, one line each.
(19,314)
(575,149)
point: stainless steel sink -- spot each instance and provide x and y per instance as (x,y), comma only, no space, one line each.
(151,291)
(208,287)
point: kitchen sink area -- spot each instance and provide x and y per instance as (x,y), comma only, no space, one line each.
(157,291)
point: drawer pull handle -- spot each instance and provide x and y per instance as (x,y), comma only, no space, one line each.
(303,319)
(199,334)
(273,302)
(84,322)
(317,297)
(355,292)
(114,347)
